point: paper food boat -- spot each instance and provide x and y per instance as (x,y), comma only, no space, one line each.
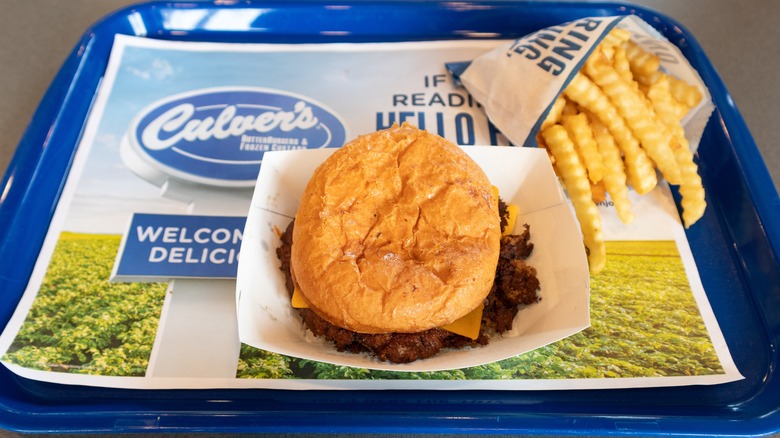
(524,177)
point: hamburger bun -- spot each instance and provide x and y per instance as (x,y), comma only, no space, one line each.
(398,231)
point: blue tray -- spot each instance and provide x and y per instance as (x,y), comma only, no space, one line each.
(736,247)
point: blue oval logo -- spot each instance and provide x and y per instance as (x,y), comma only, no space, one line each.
(218,136)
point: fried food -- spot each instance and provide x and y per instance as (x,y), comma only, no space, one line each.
(691,188)
(582,135)
(643,64)
(589,96)
(615,180)
(575,179)
(684,92)
(641,120)
(616,122)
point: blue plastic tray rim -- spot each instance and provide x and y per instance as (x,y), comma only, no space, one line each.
(50,150)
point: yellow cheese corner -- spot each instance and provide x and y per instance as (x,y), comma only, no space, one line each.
(467,326)
(511,218)
(297,300)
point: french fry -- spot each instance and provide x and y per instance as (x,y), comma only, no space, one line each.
(596,57)
(684,92)
(664,103)
(617,120)
(576,181)
(639,117)
(641,62)
(569,109)
(554,116)
(620,61)
(691,188)
(598,192)
(581,134)
(607,54)
(638,165)
(614,175)
(645,81)
(615,37)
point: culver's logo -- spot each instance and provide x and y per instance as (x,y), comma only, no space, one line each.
(218,136)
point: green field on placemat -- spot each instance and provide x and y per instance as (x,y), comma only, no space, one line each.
(644,323)
(82,323)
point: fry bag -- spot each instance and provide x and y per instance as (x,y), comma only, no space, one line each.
(517,83)
(611,100)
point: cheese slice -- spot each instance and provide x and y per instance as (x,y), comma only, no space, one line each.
(511,219)
(467,326)
(297,300)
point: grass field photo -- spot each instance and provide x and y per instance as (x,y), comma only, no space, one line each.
(644,323)
(82,323)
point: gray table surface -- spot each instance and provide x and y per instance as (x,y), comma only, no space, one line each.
(739,37)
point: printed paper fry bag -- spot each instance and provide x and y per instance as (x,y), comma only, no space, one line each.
(518,82)
(610,100)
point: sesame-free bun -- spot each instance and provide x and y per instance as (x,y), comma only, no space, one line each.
(398,231)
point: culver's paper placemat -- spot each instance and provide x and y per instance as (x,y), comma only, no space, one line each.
(134,286)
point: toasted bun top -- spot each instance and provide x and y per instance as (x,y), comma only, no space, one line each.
(398,231)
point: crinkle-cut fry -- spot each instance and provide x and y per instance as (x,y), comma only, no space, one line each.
(580,133)
(664,104)
(543,144)
(554,116)
(642,62)
(607,54)
(640,118)
(614,175)
(684,92)
(596,56)
(598,192)
(577,185)
(639,168)
(691,188)
(555,168)
(620,61)
(569,109)
(540,140)
(646,81)
(615,37)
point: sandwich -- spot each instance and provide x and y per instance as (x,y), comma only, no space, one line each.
(401,248)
